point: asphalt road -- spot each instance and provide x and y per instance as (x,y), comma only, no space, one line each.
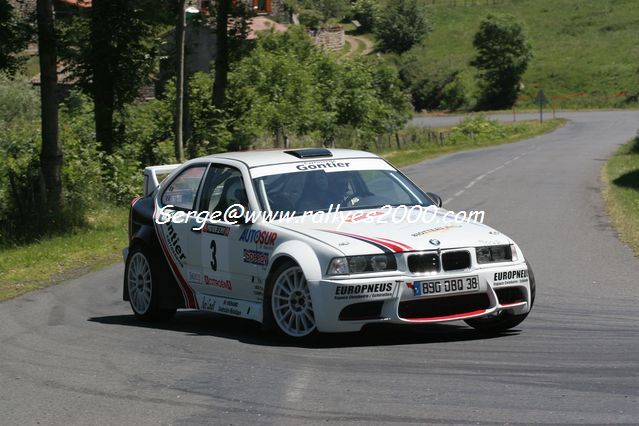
(73,353)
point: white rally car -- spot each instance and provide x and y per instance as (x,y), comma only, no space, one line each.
(342,253)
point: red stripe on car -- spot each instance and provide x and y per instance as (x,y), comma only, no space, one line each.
(187,292)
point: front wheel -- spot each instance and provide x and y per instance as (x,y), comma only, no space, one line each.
(289,300)
(143,287)
(505,320)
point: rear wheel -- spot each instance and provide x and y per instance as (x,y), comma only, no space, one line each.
(504,320)
(143,287)
(289,301)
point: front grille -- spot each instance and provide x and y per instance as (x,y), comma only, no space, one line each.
(510,295)
(423,262)
(362,311)
(443,306)
(454,260)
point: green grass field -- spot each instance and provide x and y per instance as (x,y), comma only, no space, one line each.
(580,46)
(55,259)
(621,191)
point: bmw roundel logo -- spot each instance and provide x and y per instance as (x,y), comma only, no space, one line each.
(434,242)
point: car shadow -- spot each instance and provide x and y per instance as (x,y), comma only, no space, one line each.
(199,323)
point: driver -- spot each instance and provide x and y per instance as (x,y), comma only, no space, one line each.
(339,184)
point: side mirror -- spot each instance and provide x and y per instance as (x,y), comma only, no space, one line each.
(436,198)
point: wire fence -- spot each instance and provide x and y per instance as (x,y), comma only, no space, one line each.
(466,3)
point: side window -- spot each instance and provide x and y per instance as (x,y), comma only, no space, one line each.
(223,188)
(182,191)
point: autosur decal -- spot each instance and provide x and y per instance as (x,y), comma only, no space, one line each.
(264,238)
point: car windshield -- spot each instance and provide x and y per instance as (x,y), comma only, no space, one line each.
(317,190)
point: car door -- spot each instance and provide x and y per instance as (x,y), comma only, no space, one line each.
(178,198)
(222,250)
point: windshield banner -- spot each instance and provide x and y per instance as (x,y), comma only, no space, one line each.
(328,165)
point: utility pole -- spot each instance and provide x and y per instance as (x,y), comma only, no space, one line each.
(180,33)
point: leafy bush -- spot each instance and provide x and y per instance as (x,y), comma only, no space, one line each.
(479,127)
(433,84)
(365,12)
(310,18)
(321,10)
(20,184)
(15,35)
(18,100)
(288,88)
(455,95)
(402,25)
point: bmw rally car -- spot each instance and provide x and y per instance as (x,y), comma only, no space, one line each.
(337,259)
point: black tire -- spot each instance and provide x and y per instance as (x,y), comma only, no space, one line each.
(505,320)
(270,322)
(139,283)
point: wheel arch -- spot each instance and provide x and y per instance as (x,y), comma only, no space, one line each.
(146,238)
(300,253)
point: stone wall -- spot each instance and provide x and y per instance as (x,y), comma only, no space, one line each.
(329,38)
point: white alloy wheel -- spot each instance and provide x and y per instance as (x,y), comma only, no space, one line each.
(291,303)
(140,283)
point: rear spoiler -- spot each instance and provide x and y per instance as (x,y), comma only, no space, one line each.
(151,180)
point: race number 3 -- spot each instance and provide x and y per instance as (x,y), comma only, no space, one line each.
(213,254)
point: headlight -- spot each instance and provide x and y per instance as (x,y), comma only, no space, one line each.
(491,254)
(362,264)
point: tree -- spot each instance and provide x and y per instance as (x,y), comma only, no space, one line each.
(321,10)
(230,44)
(331,9)
(286,86)
(112,52)
(14,36)
(402,25)
(365,12)
(51,151)
(503,53)
(433,83)
(223,9)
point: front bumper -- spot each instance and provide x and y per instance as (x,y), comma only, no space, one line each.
(347,304)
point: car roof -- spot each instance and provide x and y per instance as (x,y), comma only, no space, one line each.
(266,157)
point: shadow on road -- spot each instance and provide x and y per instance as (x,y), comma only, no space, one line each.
(199,323)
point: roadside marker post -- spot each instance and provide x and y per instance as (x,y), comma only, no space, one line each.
(541,100)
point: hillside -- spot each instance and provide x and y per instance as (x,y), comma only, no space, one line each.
(586,51)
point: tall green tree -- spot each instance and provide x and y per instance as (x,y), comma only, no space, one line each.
(51,151)
(230,44)
(503,54)
(402,24)
(112,52)
(14,35)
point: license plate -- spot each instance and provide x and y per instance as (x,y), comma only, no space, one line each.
(446,286)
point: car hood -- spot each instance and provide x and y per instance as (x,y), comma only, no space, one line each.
(359,232)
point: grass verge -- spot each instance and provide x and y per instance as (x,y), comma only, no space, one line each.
(620,178)
(99,243)
(58,258)
(512,132)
